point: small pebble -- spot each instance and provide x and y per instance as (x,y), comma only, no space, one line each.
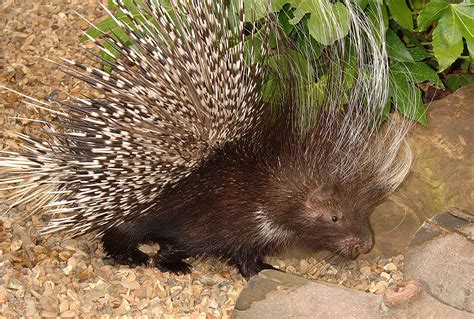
(373,287)
(397,277)
(385,275)
(381,287)
(68,314)
(390,267)
(16,245)
(365,272)
(7,224)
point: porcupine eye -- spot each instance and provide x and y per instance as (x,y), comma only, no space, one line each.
(334,218)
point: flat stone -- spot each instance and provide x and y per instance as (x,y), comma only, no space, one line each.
(445,263)
(426,306)
(274,294)
(449,221)
(426,232)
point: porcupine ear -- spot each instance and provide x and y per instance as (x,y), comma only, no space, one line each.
(179,91)
(340,101)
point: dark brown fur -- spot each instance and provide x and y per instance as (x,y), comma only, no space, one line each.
(212,212)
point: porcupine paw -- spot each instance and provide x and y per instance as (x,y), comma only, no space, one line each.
(177,267)
(132,258)
(169,258)
(248,270)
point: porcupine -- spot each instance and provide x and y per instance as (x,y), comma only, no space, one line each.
(182,150)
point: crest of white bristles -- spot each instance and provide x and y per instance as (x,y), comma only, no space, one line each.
(106,160)
(348,140)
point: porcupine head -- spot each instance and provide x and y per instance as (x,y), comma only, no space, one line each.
(185,149)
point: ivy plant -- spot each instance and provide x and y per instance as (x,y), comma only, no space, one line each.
(452,27)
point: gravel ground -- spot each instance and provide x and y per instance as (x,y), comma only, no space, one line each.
(54,276)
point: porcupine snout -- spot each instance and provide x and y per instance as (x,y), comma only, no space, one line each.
(364,240)
(362,246)
(357,244)
(352,247)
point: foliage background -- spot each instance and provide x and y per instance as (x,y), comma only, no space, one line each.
(430,43)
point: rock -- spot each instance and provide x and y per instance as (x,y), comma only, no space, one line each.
(390,267)
(444,260)
(15,245)
(30,310)
(394,298)
(7,223)
(385,275)
(365,272)
(397,276)
(381,287)
(63,306)
(373,287)
(68,314)
(274,294)
(3,295)
(441,176)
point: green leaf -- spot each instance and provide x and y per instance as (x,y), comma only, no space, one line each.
(465,65)
(300,65)
(387,107)
(420,72)
(272,92)
(322,27)
(470,47)
(419,54)
(401,13)
(455,21)
(253,48)
(447,39)
(373,14)
(111,4)
(284,17)
(432,12)
(362,3)
(104,26)
(418,5)
(396,49)
(109,58)
(406,97)
(319,90)
(321,31)
(257,9)
(465,16)
(454,82)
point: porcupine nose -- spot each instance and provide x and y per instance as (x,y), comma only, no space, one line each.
(362,247)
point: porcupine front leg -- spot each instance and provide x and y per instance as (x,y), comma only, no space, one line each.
(170,258)
(121,244)
(250,266)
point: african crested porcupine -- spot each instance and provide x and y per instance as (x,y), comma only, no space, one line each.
(182,150)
